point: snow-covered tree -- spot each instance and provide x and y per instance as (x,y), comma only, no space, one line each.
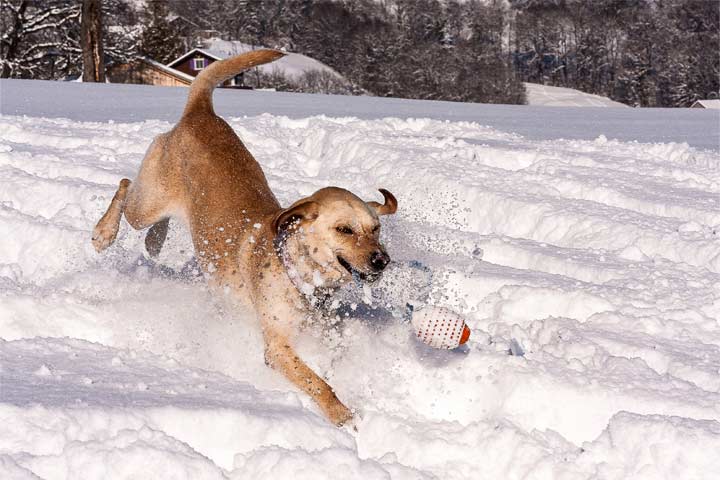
(640,52)
(159,40)
(42,39)
(39,39)
(91,42)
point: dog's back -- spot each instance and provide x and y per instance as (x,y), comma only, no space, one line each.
(215,158)
(199,171)
(222,184)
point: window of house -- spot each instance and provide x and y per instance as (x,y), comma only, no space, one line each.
(198,63)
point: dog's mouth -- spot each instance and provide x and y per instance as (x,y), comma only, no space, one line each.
(365,277)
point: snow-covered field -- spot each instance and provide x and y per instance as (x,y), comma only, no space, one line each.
(588,269)
(133,103)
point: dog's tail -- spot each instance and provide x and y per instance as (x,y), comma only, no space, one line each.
(201,90)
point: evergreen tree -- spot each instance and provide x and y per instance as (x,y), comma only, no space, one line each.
(159,41)
(640,52)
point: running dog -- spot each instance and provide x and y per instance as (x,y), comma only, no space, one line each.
(272,259)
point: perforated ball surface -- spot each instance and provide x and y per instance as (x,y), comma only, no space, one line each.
(440,327)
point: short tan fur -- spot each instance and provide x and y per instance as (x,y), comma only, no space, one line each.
(201,174)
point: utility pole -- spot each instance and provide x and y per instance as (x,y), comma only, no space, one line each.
(91,39)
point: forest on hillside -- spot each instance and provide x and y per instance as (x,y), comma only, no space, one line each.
(651,53)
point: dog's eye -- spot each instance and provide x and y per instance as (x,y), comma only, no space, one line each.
(345,230)
(376,228)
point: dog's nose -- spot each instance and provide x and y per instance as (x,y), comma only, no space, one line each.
(379,260)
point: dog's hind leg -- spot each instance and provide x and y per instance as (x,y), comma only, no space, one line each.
(156,237)
(144,202)
(107,228)
(149,201)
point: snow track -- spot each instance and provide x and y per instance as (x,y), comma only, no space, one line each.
(599,259)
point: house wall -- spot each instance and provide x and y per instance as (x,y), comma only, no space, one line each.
(187,67)
(142,73)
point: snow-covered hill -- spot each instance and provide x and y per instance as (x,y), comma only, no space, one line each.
(548,96)
(596,261)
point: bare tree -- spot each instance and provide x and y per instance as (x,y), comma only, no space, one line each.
(36,37)
(92,46)
(12,19)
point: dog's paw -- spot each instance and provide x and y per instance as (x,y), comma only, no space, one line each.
(339,414)
(353,424)
(103,237)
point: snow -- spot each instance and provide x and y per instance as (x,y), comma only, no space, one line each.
(549,96)
(292,65)
(714,104)
(699,128)
(588,268)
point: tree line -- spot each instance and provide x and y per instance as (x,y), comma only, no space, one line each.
(650,53)
(639,52)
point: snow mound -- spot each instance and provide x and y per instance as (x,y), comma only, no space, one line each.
(549,96)
(588,270)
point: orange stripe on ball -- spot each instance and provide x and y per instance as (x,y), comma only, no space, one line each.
(465,335)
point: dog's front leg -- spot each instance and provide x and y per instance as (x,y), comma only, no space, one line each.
(280,355)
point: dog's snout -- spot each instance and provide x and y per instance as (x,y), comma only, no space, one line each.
(379,260)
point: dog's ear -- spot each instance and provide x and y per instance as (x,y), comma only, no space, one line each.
(299,212)
(390,205)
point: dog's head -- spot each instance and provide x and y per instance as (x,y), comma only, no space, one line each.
(332,235)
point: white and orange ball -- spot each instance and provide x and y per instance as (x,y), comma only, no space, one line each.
(440,327)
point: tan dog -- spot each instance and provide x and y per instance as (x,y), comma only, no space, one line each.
(273,259)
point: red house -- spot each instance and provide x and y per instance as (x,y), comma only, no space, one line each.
(194,61)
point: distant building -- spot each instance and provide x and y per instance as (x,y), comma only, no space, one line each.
(146,71)
(178,73)
(197,59)
(182,70)
(706,104)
